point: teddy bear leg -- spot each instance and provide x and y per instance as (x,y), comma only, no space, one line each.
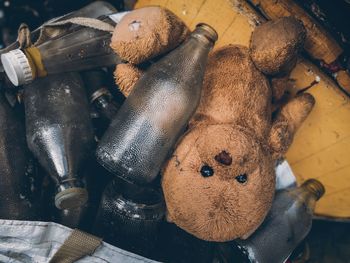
(287,122)
(126,76)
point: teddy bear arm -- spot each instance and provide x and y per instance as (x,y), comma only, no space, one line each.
(126,76)
(287,122)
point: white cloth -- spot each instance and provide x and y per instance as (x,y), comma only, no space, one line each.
(37,242)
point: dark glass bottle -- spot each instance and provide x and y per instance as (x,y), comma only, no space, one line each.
(96,84)
(177,246)
(129,217)
(157,111)
(286,225)
(84,217)
(15,184)
(78,48)
(59,133)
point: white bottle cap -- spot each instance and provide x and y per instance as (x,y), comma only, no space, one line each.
(17,68)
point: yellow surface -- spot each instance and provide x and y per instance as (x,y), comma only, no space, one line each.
(321,147)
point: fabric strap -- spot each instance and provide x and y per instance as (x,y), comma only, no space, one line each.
(52,29)
(76,246)
(86,22)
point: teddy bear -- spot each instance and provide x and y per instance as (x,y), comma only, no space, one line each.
(219,181)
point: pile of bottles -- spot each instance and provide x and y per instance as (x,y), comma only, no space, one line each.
(73,150)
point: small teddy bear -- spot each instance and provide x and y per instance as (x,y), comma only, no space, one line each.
(219,182)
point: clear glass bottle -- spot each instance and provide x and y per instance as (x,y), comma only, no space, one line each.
(76,48)
(92,10)
(59,133)
(15,185)
(129,216)
(286,225)
(157,111)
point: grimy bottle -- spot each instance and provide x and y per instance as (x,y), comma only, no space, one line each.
(96,85)
(156,112)
(15,202)
(59,133)
(76,48)
(92,10)
(129,216)
(286,225)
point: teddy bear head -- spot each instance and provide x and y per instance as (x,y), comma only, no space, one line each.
(216,184)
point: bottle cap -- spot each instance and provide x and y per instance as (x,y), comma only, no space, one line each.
(208,31)
(314,186)
(17,67)
(100,92)
(71,198)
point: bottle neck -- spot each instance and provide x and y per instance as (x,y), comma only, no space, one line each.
(309,192)
(315,187)
(304,197)
(203,36)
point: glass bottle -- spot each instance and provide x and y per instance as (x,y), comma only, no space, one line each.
(15,184)
(76,48)
(129,217)
(99,95)
(92,10)
(84,217)
(157,111)
(286,225)
(59,133)
(177,246)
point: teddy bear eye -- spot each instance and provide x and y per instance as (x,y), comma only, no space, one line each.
(207,171)
(242,178)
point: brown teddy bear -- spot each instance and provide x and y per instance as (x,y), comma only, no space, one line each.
(219,182)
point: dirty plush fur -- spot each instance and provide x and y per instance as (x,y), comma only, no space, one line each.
(279,85)
(234,117)
(219,183)
(274,45)
(126,76)
(147,32)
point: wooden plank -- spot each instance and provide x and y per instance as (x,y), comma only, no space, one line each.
(234,36)
(319,43)
(320,131)
(186,10)
(150,3)
(208,15)
(321,145)
(324,163)
(334,182)
(335,205)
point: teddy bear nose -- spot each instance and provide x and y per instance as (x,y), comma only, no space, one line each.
(223,158)
(207,171)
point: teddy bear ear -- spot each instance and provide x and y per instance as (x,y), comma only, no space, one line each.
(287,122)
(146,33)
(274,45)
(126,76)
